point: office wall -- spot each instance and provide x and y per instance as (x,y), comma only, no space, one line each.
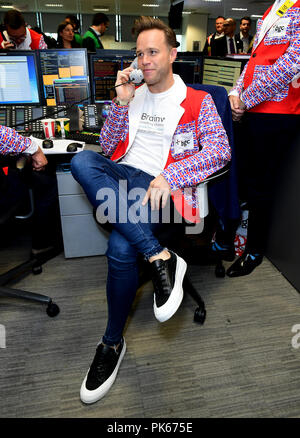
(194,28)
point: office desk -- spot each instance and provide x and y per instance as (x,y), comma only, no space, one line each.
(82,236)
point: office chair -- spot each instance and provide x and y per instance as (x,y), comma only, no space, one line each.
(222,192)
(33,264)
(220,188)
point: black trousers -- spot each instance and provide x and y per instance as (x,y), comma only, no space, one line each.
(46,227)
(264,145)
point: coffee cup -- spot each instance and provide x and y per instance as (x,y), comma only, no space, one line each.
(49,128)
(63,127)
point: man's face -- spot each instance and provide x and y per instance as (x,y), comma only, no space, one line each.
(229,27)
(17,35)
(103,27)
(219,25)
(245,27)
(155,59)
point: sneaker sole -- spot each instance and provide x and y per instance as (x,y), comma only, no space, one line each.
(88,396)
(166,311)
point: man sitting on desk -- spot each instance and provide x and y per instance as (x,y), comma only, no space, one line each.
(161,138)
(46,234)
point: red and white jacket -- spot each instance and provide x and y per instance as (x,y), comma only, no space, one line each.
(270,82)
(33,40)
(197,144)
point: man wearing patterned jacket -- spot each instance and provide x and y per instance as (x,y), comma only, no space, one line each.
(46,234)
(160,138)
(266,102)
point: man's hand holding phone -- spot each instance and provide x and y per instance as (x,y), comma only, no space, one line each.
(7,45)
(125,92)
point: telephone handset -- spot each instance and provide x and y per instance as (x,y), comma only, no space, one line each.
(136,76)
(2,29)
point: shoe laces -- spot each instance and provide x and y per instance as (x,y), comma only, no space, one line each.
(102,361)
(161,279)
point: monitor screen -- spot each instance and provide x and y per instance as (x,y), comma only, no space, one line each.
(65,76)
(19,80)
(224,72)
(104,74)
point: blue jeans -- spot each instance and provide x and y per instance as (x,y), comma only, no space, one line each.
(129,237)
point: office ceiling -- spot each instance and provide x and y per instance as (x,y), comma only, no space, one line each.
(135,7)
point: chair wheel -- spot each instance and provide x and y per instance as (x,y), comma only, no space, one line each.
(200,315)
(52,310)
(37,270)
(220,271)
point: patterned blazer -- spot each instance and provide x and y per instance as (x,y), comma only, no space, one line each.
(270,80)
(196,139)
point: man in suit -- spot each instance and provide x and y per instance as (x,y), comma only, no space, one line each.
(244,36)
(91,38)
(210,40)
(228,44)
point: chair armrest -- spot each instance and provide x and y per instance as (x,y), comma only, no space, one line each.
(217,174)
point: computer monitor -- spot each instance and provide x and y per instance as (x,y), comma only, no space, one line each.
(224,72)
(103,76)
(19,79)
(65,76)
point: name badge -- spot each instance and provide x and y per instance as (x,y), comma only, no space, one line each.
(279,29)
(183,142)
(285,7)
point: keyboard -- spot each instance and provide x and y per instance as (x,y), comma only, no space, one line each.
(87,137)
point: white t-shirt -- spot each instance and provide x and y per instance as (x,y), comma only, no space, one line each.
(146,152)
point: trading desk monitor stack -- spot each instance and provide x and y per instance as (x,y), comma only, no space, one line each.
(65,76)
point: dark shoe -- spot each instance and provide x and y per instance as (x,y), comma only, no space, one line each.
(244,265)
(102,373)
(167,277)
(225,252)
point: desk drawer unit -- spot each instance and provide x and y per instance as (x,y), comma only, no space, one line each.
(81,235)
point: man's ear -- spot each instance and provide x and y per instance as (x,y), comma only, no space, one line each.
(173,54)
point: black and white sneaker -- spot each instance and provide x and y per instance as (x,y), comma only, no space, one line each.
(102,372)
(167,277)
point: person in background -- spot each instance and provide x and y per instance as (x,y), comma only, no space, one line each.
(227,44)
(17,36)
(51,42)
(76,25)
(244,34)
(210,40)
(266,103)
(65,36)
(91,39)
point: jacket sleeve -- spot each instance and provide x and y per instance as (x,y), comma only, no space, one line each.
(215,152)
(279,75)
(89,44)
(115,128)
(11,142)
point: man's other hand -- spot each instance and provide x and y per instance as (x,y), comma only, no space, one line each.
(39,160)
(237,107)
(158,193)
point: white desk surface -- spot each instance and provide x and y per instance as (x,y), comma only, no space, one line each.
(59,146)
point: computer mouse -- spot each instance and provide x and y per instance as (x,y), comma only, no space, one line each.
(72,147)
(47,144)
